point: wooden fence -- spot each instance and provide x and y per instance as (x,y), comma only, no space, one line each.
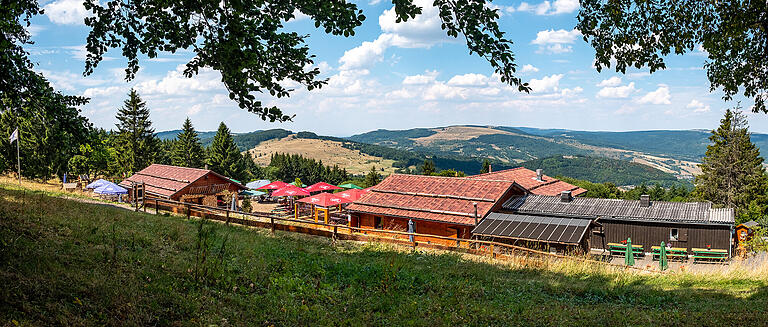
(344,232)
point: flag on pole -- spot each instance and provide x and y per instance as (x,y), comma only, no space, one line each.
(15,135)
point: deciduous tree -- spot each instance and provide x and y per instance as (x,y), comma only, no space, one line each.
(250,45)
(732,34)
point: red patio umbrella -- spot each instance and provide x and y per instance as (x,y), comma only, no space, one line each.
(351,194)
(290,190)
(324,200)
(273,186)
(322,186)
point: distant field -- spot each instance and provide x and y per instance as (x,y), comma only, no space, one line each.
(69,263)
(330,152)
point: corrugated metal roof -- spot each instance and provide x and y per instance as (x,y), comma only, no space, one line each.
(527,179)
(534,228)
(445,199)
(685,212)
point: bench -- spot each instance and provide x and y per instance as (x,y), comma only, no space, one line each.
(709,255)
(619,249)
(672,253)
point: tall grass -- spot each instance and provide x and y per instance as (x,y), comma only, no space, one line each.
(69,263)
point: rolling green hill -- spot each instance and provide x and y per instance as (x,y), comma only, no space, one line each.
(602,170)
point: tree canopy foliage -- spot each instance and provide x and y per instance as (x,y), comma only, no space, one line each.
(734,35)
(250,45)
(187,149)
(224,157)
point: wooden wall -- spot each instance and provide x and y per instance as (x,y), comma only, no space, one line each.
(652,234)
(208,179)
(367,221)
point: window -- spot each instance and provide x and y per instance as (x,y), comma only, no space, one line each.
(377,223)
(674,234)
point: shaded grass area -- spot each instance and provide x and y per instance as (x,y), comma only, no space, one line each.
(69,263)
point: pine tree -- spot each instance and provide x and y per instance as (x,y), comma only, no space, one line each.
(486,167)
(136,142)
(187,149)
(732,170)
(372,178)
(428,168)
(224,157)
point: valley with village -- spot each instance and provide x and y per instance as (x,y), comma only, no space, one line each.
(437,163)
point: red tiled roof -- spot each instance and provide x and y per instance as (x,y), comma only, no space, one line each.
(165,180)
(527,179)
(444,199)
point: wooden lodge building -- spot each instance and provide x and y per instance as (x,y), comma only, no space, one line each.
(446,206)
(588,223)
(194,185)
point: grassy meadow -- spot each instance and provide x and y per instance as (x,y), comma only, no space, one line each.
(64,262)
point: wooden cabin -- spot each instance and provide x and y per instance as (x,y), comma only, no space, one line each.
(648,223)
(193,185)
(443,206)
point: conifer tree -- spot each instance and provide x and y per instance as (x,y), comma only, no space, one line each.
(187,149)
(428,168)
(732,170)
(136,142)
(486,167)
(372,178)
(223,155)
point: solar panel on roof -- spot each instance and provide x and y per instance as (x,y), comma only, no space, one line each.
(532,227)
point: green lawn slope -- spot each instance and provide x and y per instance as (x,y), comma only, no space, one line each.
(69,263)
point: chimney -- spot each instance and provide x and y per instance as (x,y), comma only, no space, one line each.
(206,166)
(475,204)
(645,201)
(490,169)
(565,196)
(539,175)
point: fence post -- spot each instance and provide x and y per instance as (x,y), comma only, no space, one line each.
(227,216)
(272,224)
(492,254)
(157,208)
(335,234)
(189,211)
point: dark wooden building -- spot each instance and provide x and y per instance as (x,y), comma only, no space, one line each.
(443,206)
(648,223)
(201,186)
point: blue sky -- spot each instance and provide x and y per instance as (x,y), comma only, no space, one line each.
(399,76)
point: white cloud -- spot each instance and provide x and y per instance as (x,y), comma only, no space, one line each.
(421,79)
(546,84)
(546,8)
(469,80)
(175,83)
(66,12)
(529,69)
(613,81)
(555,41)
(697,106)
(660,96)
(421,32)
(617,92)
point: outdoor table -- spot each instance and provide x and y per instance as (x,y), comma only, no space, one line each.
(619,249)
(709,254)
(680,253)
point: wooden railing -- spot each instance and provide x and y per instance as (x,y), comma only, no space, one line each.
(345,232)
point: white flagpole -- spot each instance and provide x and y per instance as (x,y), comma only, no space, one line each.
(18,156)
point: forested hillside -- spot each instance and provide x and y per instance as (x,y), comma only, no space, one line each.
(602,170)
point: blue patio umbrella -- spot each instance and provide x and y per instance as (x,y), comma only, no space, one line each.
(257,183)
(98,183)
(110,189)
